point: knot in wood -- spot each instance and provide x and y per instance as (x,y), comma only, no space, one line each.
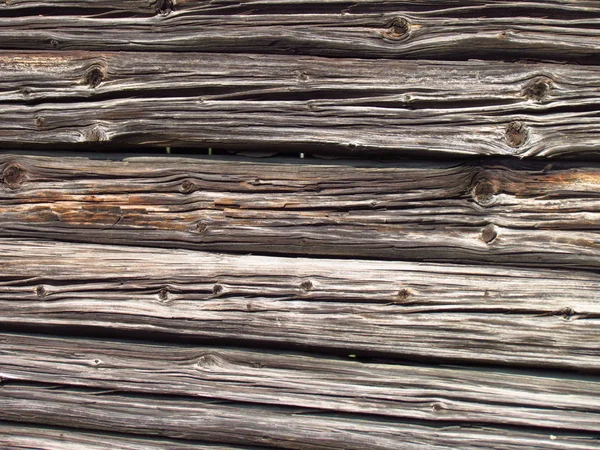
(399,28)
(164,7)
(94,76)
(39,121)
(484,192)
(41,291)
(438,407)
(54,43)
(95,134)
(306,285)
(567,313)
(303,76)
(403,294)
(489,234)
(538,89)
(516,134)
(163,294)
(187,187)
(209,362)
(201,227)
(13,176)
(217,290)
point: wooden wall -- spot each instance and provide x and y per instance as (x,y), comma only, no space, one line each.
(299,224)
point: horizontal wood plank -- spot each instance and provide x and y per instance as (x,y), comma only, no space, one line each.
(422,311)
(249,424)
(19,436)
(460,395)
(312,104)
(528,214)
(450,29)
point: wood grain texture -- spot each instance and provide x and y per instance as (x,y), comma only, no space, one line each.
(528,214)
(348,106)
(19,436)
(459,395)
(450,29)
(422,311)
(251,424)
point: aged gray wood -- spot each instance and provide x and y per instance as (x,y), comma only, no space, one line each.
(298,103)
(251,424)
(546,29)
(491,315)
(462,395)
(502,213)
(18,436)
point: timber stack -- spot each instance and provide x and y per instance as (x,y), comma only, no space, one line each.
(299,224)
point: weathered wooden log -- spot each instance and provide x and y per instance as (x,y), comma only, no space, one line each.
(460,395)
(528,214)
(350,106)
(251,424)
(546,29)
(19,436)
(541,318)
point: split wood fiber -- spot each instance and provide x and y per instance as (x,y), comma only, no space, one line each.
(526,317)
(449,29)
(503,212)
(347,106)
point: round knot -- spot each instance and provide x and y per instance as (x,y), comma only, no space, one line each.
(13,176)
(399,28)
(164,7)
(516,134)
(94,76)
(306,285)
(484,192)
(41,291)
(538,89)
(187,187)
(489,234)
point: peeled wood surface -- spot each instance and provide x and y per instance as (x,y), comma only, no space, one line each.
(289,428)
(307,103)
(423,311)
(531,214)
(450,29)
(429,393)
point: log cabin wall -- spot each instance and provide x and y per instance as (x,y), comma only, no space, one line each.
(299,224)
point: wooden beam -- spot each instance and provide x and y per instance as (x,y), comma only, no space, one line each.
(251,424)
(347,106)
(528,214)
(448,29)
(19,436)
(462,395)
(490,315)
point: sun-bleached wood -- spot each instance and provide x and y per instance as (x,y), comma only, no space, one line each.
(491,315)
(463,395)
(448,29)
(20,436)
(252,424)
(529,214)
(348,106)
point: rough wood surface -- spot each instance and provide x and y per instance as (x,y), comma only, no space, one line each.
(450,29)
(423,311)
(304,103)
(19,436)
(461,395)
(251,424)
(496,212)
